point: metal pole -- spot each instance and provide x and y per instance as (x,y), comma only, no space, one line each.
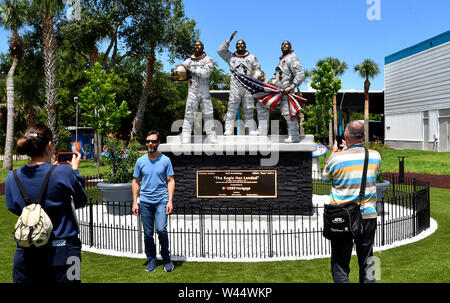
(401,169)
(91,223)
(75,99)
(340,115)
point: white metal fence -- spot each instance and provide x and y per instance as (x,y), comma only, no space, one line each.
(15,157)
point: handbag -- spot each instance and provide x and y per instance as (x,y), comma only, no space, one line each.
(344,220)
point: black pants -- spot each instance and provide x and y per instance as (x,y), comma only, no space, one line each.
(341,251)
(49,263)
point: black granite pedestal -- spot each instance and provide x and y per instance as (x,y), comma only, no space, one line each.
(291,162)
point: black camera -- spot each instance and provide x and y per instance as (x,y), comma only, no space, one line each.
(65,157)
(339,140)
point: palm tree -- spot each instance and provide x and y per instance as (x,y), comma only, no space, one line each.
(12,18)
(46,10)
(156,26)
(337,68)
(367,69)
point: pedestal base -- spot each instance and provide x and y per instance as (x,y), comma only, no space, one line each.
(291,161)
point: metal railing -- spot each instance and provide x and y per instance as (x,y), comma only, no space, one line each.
(15,157)
(252,233)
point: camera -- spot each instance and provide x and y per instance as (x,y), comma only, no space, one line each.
(339,139)
(64,157)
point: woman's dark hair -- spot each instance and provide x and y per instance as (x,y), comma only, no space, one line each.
(34,141)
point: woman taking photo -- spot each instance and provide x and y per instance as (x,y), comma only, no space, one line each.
(60,258)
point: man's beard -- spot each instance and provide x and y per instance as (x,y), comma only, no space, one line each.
(153,150)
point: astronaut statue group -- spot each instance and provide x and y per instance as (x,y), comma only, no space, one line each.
(197,70)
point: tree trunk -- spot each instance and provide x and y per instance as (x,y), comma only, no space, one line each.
(335,117)
(98,152)
(302,116)
(9,141)
(330,132)
(302,119)
(366,111)
(93,55)
(148,81)
(48,35)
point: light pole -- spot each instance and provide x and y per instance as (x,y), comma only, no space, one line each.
(340,115)
(75,99)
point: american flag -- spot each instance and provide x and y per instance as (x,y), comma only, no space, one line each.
(268,94)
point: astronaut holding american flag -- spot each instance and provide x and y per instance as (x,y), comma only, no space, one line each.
(289,74)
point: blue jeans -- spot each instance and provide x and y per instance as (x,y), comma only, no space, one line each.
(155,214)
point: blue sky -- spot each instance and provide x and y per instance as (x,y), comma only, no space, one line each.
(316,29)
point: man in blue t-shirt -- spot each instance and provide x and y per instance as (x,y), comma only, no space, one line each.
(154,171)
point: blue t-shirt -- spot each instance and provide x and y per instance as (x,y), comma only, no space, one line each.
(153,174)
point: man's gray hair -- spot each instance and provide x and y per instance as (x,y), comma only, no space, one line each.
(355,130)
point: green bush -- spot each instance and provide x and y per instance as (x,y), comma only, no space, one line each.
(121,158)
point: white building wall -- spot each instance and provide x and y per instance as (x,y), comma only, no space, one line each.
(406,127)
(418,83)
(417,95)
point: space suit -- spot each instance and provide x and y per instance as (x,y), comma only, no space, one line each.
(289,73)
(200,69)
(245,63)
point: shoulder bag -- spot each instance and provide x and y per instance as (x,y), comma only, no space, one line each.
(344,220)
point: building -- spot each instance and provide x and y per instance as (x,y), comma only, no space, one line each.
(417,96)
(82,140)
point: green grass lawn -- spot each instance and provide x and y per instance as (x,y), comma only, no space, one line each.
(425,261)
(415,161)
(87,168)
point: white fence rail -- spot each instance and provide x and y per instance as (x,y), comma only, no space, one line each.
(15,157)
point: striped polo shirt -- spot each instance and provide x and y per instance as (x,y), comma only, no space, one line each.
(344,169)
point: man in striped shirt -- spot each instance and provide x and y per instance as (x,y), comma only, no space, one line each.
(344,170)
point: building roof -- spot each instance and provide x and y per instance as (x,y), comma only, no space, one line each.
(419,47)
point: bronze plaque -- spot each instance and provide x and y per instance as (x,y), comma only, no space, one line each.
(236,184)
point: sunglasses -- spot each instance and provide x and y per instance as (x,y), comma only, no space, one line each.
(151,141)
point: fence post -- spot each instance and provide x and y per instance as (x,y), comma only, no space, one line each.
(383,222)
(401,169)
(139,234)
(91,224)
(428,205)
(202,230)
(393,185)
(269,231)
(414,207)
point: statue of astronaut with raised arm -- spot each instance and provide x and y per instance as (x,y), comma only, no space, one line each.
(245,63)
(289,74)
(199,67)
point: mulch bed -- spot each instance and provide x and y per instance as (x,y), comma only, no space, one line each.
(440,181)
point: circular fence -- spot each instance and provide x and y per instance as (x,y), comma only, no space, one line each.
(256,234)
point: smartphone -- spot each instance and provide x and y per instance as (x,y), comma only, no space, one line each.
(64,157)
(339,139)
